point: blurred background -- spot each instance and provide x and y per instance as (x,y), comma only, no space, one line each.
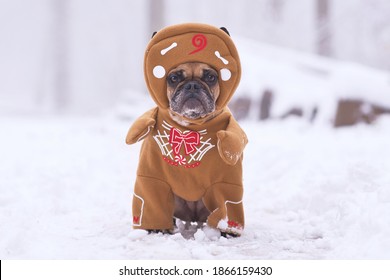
(85,56)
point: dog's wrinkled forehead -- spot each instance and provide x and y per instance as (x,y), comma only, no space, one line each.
(185,43)
(191,70)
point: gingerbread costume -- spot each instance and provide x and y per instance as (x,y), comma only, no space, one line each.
(201,160)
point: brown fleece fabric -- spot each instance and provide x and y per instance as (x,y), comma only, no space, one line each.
(200,160)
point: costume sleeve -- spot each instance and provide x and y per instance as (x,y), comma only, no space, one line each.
(231,142)
(142,126)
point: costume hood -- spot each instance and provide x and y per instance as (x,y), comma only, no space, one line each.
(191,42)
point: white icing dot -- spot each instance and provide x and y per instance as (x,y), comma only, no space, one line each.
(159,72)
(225,74)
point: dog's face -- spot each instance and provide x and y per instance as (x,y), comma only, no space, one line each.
(192,89)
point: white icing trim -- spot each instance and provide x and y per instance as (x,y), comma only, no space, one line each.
(142,210)
(144,135)
(232,202)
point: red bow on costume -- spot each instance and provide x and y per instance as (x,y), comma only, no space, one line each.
(190,140)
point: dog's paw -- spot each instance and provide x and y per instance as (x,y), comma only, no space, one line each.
(229,234)
(163,231)
(230,146)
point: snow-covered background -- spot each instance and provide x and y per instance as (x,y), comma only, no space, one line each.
(66,176)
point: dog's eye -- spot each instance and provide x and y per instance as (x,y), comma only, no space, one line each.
(210,78)
(174,78)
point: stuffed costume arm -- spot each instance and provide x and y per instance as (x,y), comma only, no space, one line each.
(142,127)
(231,142)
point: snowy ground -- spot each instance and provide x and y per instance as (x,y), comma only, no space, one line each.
(311,192)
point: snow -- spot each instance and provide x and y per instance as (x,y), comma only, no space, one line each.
(311,192)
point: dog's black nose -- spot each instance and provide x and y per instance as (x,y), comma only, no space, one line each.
(192,86)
